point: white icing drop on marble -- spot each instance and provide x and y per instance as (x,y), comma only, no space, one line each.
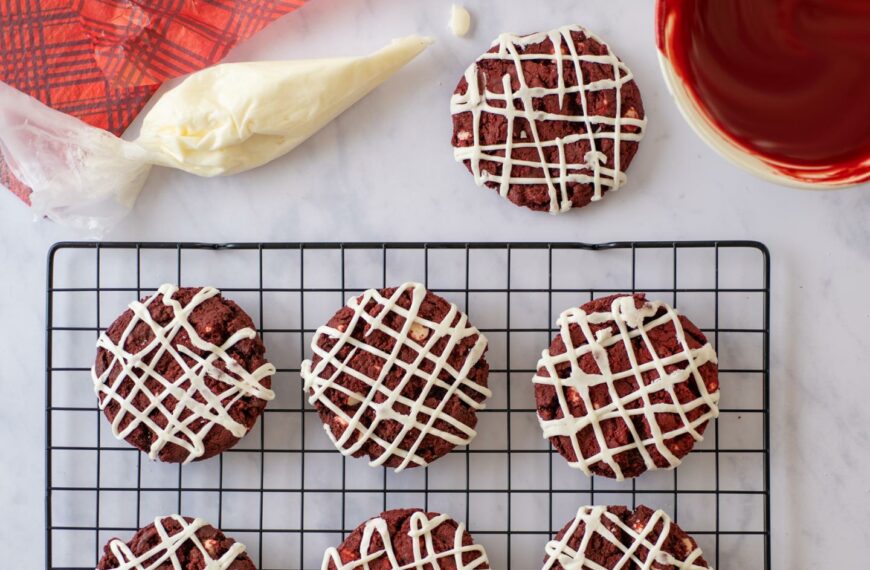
(412,336)
(593,170)
(460,21)
(425,556)
(631,322)
(138,368)
(559,552)
(166,551)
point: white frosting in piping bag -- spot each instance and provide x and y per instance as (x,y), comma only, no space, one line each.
(138,368)
(425,557)
(236,116)
(356,435)
(640,553)
(629,321)
(166,551)
(221,120)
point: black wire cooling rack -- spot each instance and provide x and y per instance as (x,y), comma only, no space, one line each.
(287,494)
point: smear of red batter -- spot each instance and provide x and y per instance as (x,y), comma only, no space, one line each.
(789,80)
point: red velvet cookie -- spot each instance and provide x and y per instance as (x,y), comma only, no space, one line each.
(177,542)
(551,120)
(182,375)
(408,538)
(398,375)
(617,538)
(628,385)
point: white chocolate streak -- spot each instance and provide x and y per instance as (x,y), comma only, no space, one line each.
(631,323)
(593,170)
(318,383)
(139,367)
(165,552)
(558,551)
(425,556)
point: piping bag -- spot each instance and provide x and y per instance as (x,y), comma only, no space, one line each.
(219,121)
(102,60)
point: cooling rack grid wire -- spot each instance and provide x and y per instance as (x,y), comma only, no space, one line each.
(285,491)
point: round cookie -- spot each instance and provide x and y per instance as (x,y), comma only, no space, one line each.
(175,542)
(398,375)
(407,538)
(614,538)
(182,375)
(627,385)
(550,120)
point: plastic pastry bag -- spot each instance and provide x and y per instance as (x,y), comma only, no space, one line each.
(218,121)
(101,61)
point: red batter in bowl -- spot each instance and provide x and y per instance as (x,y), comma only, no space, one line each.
(786,81)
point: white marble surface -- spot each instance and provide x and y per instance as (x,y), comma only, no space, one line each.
(384,171)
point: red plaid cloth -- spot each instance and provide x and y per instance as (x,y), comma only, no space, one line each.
(101,60)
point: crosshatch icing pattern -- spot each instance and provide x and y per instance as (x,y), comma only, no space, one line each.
(631,323)
(418,336)
(520,110)
(178,431)
(288,495)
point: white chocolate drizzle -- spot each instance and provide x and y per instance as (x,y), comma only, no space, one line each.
(640,553)
(166,551)
(425,555)
(188,389)
(631,322)
(594,170)
(418,334)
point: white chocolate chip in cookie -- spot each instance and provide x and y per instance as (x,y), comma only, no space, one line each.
(419,332)
(211,546)
(690,546)
(573,396)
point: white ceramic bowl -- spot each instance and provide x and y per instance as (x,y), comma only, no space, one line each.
(721,142)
